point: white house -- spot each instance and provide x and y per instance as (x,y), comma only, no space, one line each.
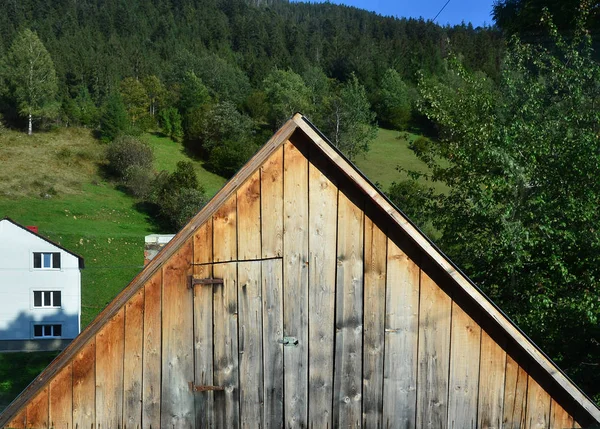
(40,291)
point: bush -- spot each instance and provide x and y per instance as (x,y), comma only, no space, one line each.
(138,181)
(126,152)
(177,195)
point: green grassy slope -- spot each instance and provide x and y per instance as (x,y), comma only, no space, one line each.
(388,152)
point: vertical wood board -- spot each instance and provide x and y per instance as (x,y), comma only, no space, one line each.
(515,395)
(271,200)
(151,359)
(435,309)
(321,298)
(84,386)
(18,422)
(203,245)
(295,293)
(272,293)
(538,406)
(464,370)
(132,369)
(491,383)
(110,343)
(250,345)
(203,326)
(347,406)
(37,410)
(559,418)
(248,217)
(226,363)
(401,336)
(225,231)
(177,400)
(61,399)
(374,324)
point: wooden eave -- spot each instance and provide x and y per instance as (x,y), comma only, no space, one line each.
(299,124)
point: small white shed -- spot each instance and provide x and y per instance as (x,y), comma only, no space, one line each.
(40,291)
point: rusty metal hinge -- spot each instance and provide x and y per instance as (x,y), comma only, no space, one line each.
(195,388)
(195,280)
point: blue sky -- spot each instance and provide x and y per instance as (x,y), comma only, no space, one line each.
(477,12)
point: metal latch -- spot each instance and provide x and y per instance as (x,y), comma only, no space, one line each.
(289,341)
(195,280)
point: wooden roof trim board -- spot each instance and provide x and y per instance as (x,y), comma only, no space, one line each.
(344,166)
(146,274)
(438,257)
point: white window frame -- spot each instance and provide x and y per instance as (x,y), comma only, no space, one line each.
(51,304)
(43,265)
(52,327)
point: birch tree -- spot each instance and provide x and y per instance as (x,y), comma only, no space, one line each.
(31,78)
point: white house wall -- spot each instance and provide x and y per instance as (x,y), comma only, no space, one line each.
(18,280)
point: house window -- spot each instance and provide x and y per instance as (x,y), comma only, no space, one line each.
(46,260)
(46,298)
(45,331)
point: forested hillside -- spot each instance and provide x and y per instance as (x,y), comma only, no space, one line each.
(513,154)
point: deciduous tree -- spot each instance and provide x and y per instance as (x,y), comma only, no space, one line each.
(522,163)
(32,78)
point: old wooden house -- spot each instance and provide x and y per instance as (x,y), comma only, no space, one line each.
(300,297)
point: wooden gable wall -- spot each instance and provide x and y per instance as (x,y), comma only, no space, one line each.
(328,316)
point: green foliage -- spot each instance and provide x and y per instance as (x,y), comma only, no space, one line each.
(194,94)
(126,152)
(349,121)
(170,122)
(225,81)
(287,94)
(178,195)
(521,216)
(81,110)
(135,99)
(394,103)
(226,136)
(31,77)
(114,120)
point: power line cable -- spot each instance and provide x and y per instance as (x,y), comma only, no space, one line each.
(441,10)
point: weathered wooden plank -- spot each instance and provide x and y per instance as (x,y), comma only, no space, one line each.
(225,231)
(295,273)
(374,323)
(110,343)
(347,404)
(203,245)
(151,362)
(203,327)
(250,345)
(132,372)
(225,319)
(271,200)
(559,418)
(84,386)
(464,370)
(272,293)
(61,399)
(37,410)
(321,298)
(491,383)
(248,216)
(538,406)
(435,319)
(177,399)
(401,336)
(18,422)
(515,395)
